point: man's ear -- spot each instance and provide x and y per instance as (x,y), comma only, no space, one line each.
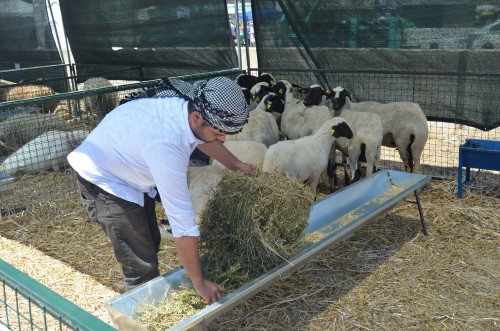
(196,116)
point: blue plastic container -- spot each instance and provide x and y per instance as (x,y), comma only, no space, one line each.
(477,153)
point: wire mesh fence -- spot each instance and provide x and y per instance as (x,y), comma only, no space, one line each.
(457,107)
(34,143)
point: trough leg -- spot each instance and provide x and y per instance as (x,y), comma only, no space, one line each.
(460,183)
(421,213)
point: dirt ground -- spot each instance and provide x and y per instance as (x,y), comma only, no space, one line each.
(387,276)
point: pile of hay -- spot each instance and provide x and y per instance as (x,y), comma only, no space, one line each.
(249,226)
(252,224)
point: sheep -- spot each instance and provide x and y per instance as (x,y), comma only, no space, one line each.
(99,104)
(19,129)
(201,184)
(317,95)
(249,99)
(404,125)
(258,92)
(21,92)
(307,157)
(44,152)
(297,119)
(4,88)
(365,146)
(246,151)
(261,126)
(248,81)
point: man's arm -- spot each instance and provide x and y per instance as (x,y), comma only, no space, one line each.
(218,151)
(188,252)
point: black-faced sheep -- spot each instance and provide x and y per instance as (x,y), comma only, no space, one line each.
(248,81)
(261,126)
(307,157)
(365,146)
(404,125)
(297,119)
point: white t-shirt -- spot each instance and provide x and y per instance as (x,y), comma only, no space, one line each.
(141,144)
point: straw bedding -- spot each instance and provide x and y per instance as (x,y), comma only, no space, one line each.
(387,276)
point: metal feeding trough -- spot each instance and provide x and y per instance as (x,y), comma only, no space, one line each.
(331,219)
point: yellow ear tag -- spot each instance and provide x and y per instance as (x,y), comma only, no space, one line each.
(269,105)
(332,131)
(281,91)
(257,99)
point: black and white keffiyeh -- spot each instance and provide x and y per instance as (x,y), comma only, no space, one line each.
(219,100)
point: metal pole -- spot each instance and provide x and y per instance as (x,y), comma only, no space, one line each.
(245,32)
(238,32)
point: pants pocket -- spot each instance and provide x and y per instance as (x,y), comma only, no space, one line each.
(90,207)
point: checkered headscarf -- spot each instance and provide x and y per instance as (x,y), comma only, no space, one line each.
(219,100)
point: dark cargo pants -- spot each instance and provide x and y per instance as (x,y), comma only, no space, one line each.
(132,230)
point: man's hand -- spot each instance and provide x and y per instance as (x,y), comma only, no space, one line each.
(247,168)
(208,291)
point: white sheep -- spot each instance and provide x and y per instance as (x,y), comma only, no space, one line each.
(19,129)
(44,152)
(307,157)
(299,120)
(201,183)
(99,104)
(365,146)
(404,125)
(261,126)
(246,151)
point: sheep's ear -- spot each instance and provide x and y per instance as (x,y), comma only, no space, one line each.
(256,99)
(341,130)
(303,90)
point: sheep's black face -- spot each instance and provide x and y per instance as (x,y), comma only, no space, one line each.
(246,81)
(314,96)
(261,92)
(268,78)
(274,103)
(338,98)
(280,89)
(342,130)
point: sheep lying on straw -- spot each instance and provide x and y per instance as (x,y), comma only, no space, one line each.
(19,129)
